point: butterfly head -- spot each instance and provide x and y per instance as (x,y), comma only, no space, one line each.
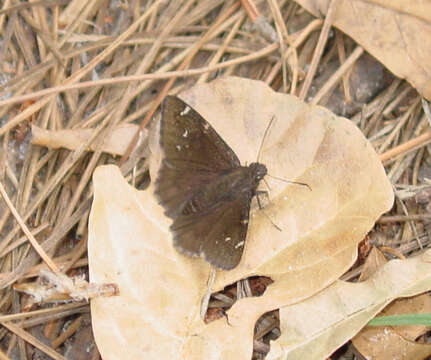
(258,170)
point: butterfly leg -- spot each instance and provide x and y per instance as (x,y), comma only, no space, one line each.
(260,193)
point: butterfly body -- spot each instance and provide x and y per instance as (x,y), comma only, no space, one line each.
(203,187)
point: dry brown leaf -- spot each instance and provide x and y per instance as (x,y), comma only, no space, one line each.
(161,290)
(420,304)
(316,327)
(397,33)
(381,345)
(72,139)
(418,8)
(373,262)
(380,342)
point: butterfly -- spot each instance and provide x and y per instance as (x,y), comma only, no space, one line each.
(203,188)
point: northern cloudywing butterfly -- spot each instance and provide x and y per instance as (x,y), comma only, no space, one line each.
(203,187)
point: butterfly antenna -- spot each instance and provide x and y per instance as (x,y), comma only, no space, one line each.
(264,137)
(290,182)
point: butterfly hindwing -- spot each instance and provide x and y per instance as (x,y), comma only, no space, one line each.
(219,235)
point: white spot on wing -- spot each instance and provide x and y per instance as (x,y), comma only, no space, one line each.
(228,238)
(240,244)
(178,147)
(185,111)
(186,133)
(206,126)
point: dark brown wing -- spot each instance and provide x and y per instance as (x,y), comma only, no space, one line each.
(194,154)
(219,235)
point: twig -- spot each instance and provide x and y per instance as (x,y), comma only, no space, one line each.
(411,223)
(22,240)
(23,5)
(40,312)
(394,103)
(330,16)
(399,125)
(250,9)
(393,252)
(72,328)
(342,57)
(298,40)
(377,116)
(75,77)
(407,147)
(283,36)
(427,110)
(27,232)
(221,50)
(402,218)
(332,81)
(32,340)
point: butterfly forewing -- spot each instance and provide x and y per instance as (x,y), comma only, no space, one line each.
(194,154)
(187,137)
